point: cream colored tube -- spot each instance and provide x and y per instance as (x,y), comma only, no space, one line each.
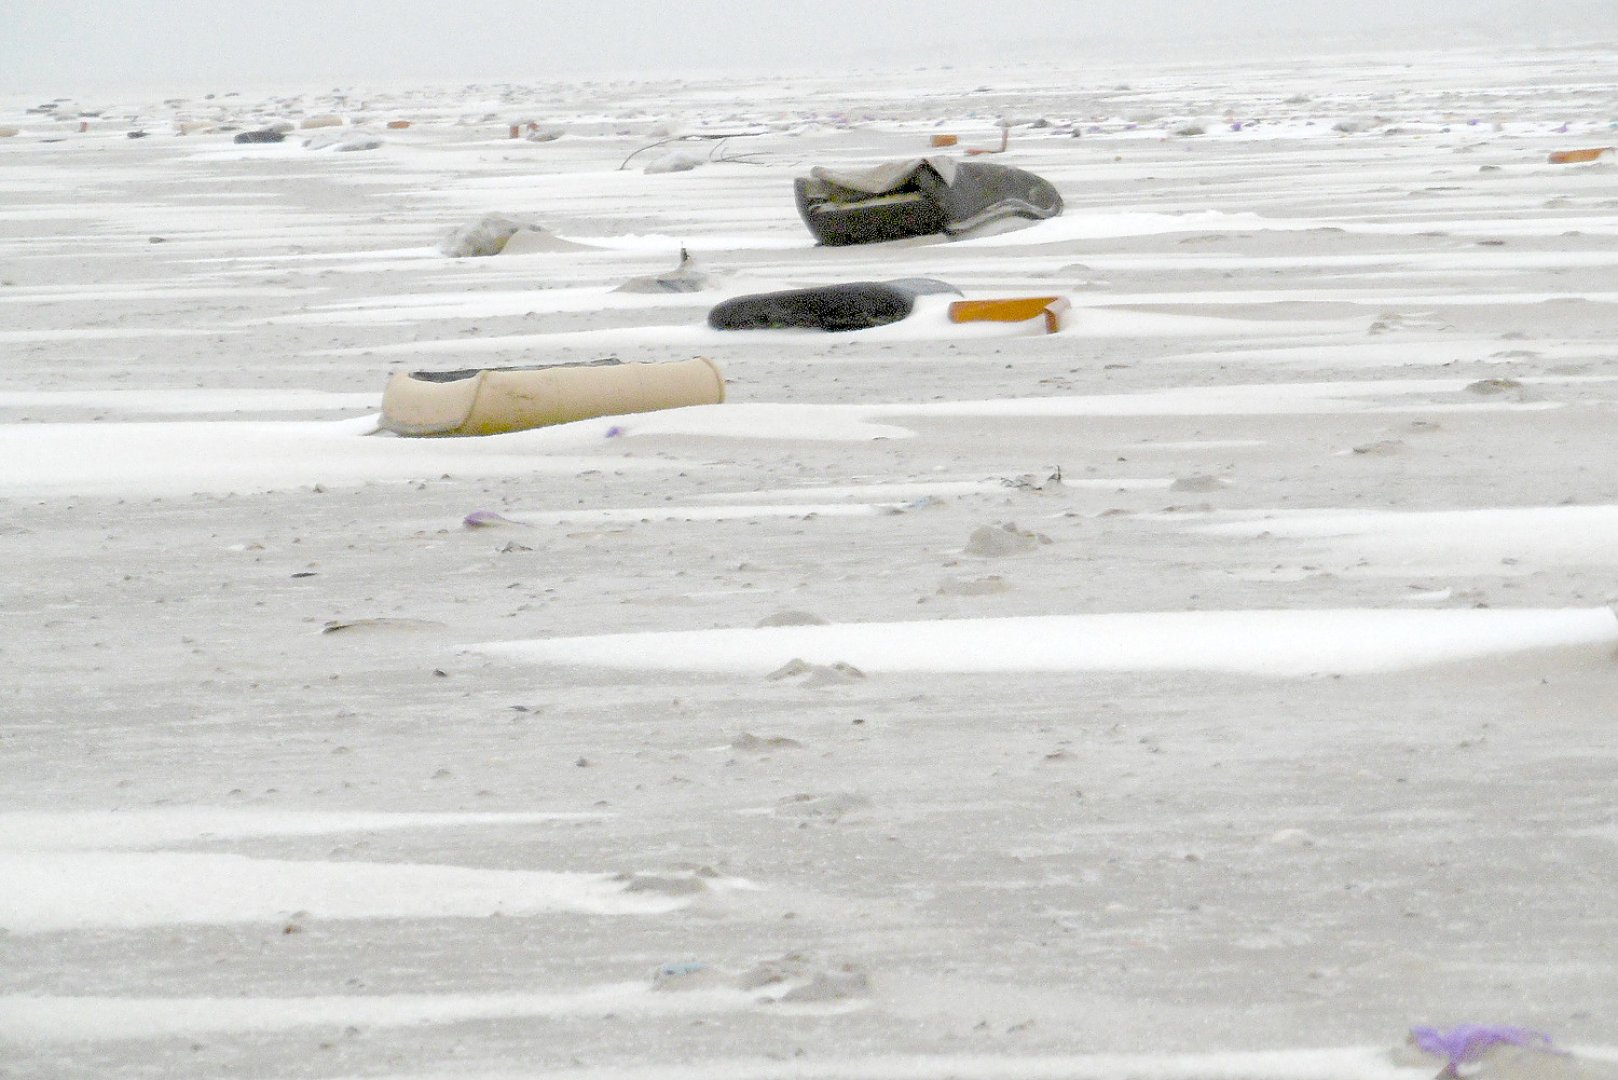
(499,400)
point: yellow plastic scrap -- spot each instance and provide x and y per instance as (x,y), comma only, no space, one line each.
(1013,309)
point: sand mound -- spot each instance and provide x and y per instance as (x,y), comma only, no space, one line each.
(497,234)
(997,541)
(684,278)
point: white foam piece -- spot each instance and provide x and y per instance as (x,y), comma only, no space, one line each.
(104,830)
(1267,643)
(59,1019)
(71,890)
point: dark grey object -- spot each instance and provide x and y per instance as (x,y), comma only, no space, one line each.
(918,197)
(856,305)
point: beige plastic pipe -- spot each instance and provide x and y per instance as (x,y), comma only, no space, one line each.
(498,400)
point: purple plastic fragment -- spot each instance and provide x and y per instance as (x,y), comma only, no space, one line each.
(614,431)
(480,519)
(1467,1042)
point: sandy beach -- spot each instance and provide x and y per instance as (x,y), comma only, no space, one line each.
(1217,687)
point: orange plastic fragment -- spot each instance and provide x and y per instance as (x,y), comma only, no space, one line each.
(1573,157)
(945,140)
(1014,309)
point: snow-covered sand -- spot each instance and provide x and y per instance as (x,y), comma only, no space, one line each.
(1213,689)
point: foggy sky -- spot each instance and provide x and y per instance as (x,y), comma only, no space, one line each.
(69,47)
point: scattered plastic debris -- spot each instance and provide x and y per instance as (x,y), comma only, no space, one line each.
(1466,1043)
(1577,157)
(1013,309)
